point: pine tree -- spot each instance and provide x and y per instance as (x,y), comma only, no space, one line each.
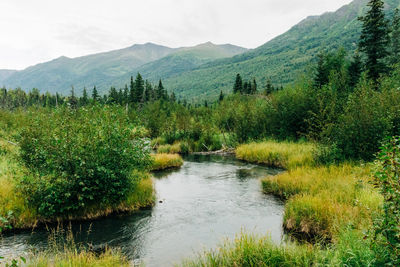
(268,87)
(95,94)
(374,39)
(238,87)
(148,92)
(139,88)
(205,103)
(112,96)
(173,97)
(355,69)
(221,96)
(395,38)
(322,72)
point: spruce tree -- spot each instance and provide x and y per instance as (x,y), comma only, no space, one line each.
(148,92)
(374,39)
(355,70)
(254,87)
(126,95)
(322,72)
(268,87)
(221,96)
(238,87)
(173,97)
(132,95)
(84,99)
(139,88)
(95,94)
(72,101)
(161,94)
(395,38)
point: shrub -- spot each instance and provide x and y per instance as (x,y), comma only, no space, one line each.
(78,159)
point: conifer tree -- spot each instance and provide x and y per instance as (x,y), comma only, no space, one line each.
(148,92)
(238,87)
(395,38)
(355,70)
(126,95)
(322,72)
(205,103)
(161,94)
(253,87)
(72,101)
(268,87)
(95,94)
(173,97)
(112,96)
(374,39)
(221,96)
(139,88)
(132,95)
(84,99)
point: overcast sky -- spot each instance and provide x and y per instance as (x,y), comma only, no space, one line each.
(41,30)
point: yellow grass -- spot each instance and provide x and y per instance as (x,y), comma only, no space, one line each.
(283,154)
(169,149)
(325,199)
(165,161)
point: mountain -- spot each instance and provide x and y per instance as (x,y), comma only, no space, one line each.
(183,60)
(115,68)
(59,74)
(4,74)
(281,59)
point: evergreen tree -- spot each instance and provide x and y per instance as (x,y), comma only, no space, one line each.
(161,94)
(253,90)
(205,103)
(139,88)
(120,96)
(238,87)
(132,95)
(72,100)
(395,38)
(221,96)
(84,100)
(126,95)
(95,94)
(355,70)
(148,92)
(112,96)
(268,87)
(322,72)
(173,97)
(374,39)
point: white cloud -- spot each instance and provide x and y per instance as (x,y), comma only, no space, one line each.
(40,30)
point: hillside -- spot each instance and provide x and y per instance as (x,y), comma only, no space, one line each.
(114,68)
(59,74)
(4,74)
(281,59)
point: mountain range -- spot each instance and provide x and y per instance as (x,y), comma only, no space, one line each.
(201,71)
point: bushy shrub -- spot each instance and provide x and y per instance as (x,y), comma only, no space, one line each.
(79,159)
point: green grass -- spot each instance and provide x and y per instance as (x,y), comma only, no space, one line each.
(166,161)
(170,149)
(323,200)
(286,155)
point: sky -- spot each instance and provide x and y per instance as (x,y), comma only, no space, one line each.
(36,31)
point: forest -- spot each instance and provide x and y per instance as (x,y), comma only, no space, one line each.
(335,132)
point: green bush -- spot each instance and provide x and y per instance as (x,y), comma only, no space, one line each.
(79,159)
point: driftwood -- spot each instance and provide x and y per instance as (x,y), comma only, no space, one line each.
(225,151)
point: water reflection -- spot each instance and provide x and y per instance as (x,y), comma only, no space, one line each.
(208,199)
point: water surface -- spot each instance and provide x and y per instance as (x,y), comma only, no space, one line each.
(210,198)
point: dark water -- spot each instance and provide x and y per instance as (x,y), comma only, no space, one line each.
(210,198)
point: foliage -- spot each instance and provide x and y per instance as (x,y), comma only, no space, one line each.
(78,159)
(386,231)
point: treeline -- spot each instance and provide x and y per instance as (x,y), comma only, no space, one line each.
(139,91)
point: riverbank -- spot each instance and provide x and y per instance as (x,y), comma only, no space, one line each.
(163,161)
(329,206)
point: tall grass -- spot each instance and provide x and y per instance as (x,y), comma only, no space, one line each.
(63,251)
(166,161)
(286,155)
(170,149)
(323,200)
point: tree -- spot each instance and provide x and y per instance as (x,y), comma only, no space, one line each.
(132,91)
(395,38)
(126,94)
(321,73)
(238,87)
(173,97)
(253,90)
(355,70)
(84,100)
(95,94)
(221,96)
(148,93)
(160,92)
(268,87)
(72,101)
(139,88)
(374,40)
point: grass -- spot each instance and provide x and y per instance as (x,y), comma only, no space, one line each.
(170,149)
(323,200)
(286,155)
(166,161)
